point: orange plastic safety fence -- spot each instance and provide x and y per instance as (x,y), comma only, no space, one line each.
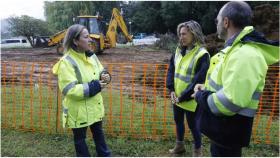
(266,127)
(136,101)
(3,100)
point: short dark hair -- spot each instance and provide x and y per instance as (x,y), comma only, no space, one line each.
(240,13)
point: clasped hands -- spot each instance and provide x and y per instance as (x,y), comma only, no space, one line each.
(197,88)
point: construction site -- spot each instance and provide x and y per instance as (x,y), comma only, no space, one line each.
(137,102)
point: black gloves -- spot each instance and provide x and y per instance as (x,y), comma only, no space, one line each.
(94,87)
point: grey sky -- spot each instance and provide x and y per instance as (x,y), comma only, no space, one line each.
(33,8)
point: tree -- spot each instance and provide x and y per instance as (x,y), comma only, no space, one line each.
(60,14)
(29,27)
(146,16)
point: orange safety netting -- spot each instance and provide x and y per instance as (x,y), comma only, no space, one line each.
(136,101)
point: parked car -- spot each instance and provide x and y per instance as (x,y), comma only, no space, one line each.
(139,35)
(15,43)
(148,40)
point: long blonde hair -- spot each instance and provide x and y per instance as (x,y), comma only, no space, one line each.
(195,29)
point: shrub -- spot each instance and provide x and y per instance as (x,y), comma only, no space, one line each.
(167,42)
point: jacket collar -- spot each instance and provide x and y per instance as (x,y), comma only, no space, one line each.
(183,50)
(255,36)
(270,49)
(237,38)
(78,55)
(249,34)
(230,41)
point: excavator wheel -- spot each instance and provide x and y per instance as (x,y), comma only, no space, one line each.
(95,46)
(59,49)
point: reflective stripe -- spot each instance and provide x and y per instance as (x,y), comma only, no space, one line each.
(190,68)
(256,95)
(86,89)
(183,78)
(233,107)
(213,84)
(79,78)
(247,112)
(226,102)
(187,78)
(68,87)
(75,66)
(212,105)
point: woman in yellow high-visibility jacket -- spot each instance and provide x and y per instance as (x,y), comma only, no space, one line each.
(81,78)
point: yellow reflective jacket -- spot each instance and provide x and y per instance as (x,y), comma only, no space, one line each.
(238,78)
(74,71)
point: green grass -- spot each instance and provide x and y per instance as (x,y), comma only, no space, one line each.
(145,116)
(20,103)
(145,119)
(125,137)
(22,144)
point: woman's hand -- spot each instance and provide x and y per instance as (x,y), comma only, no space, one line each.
(105,77)
(102,84)
(197,88)
(174,99)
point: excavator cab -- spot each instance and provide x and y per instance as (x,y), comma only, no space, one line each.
(96,28)
(92,23)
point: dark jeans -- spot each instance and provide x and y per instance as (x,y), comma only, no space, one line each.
(221,151)
(179,114)
(98,137)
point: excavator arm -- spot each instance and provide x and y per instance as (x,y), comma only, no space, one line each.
(99,42)
(57,38)
(117,20)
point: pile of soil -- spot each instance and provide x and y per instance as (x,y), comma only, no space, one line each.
(265,20)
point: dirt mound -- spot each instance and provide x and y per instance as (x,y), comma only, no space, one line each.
(135,54)
(265,20)
(213,43)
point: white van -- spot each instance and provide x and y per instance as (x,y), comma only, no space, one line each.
(15,43)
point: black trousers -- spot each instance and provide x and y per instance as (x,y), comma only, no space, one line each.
(179,117)
(221,151)
(98,138)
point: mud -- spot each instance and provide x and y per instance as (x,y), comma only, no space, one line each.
(115,55)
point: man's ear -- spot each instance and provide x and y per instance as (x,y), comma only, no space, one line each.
(226,22)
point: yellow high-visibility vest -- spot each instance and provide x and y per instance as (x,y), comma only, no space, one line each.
(184,73)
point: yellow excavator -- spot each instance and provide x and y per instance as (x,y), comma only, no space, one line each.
(96,28)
